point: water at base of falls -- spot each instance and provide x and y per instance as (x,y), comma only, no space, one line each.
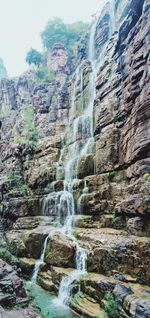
(48,304)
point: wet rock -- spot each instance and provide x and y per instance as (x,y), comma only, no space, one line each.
(120,292)
(60,251)
(27,243)
(142,309)
(85,166)
(27,266)
(110,250)
(45,281)
(57,273)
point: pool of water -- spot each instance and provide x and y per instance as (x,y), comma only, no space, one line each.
(48,304)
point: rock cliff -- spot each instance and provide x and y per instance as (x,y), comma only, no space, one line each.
(111,187)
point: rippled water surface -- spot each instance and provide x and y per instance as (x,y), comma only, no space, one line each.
(49,304)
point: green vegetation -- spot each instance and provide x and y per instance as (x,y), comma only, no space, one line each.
(13,177)
(116,221)
(45,75)
(77,235)
(111,306)
(29,133)
(147,176)
(34,57)
(23,188)
(56,31)
(18,184)
(29,130)
(5,255)
(112,174)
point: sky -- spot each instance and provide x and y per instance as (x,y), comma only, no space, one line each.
(21,22)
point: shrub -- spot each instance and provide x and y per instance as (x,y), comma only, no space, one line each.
(14,177)
(46,75)
(34,57)
(116,221)
(24,188)
(111,306)
(112,174)
(30,132)
(6,255)
(56,31)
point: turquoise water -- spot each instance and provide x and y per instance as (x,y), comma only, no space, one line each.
(48,304)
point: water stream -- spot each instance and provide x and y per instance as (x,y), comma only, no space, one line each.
(84,124)
(39,262)
(63,201)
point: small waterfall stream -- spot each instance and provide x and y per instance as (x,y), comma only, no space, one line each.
(64,200)
(39,262)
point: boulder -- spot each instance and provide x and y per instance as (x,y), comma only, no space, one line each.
(60,251)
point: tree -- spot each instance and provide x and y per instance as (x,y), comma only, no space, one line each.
(56,31)
(34,57)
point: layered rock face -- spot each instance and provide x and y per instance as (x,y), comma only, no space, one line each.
(111,187)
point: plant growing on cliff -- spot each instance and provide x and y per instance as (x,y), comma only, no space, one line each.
(14,177)
(30,132)
(23,188)
(116,221)
(111,175)
(34,57)
(56,31)
(111,306)
(6,255)
(45,75)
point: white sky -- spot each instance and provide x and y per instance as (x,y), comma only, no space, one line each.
(21,22)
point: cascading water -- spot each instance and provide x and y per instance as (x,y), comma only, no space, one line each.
(83,125)
(39,262)
(112,17)
(62,202)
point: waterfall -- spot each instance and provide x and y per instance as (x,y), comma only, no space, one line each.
(76,75)
(112,17)
(61,203)
(67,284)
(82,129)
(39,262)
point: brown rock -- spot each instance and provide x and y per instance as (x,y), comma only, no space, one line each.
(60,251)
